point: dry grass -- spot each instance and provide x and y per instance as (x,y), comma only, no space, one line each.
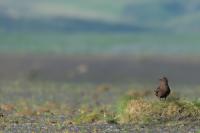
(145,111)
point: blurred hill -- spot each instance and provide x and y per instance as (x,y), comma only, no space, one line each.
(98,16)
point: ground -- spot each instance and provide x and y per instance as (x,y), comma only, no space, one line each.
(69,107)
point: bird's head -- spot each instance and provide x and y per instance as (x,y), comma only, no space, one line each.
(164,79)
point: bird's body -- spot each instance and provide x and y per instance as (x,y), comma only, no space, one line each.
(163,89)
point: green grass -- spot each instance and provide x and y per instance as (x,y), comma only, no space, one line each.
(99,44)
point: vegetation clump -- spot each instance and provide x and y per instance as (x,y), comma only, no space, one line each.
(145,111)
(96,115)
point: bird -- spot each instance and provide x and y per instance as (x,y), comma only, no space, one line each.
(163,90)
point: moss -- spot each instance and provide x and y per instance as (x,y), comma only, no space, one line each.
(89,117)
(102,114)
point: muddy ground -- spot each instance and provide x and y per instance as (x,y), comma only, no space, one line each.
(99,69)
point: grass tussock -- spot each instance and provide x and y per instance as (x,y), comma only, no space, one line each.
(144,111)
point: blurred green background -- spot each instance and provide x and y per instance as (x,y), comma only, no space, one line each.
(100,41)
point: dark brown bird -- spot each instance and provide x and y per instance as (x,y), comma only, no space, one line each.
(163,89)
